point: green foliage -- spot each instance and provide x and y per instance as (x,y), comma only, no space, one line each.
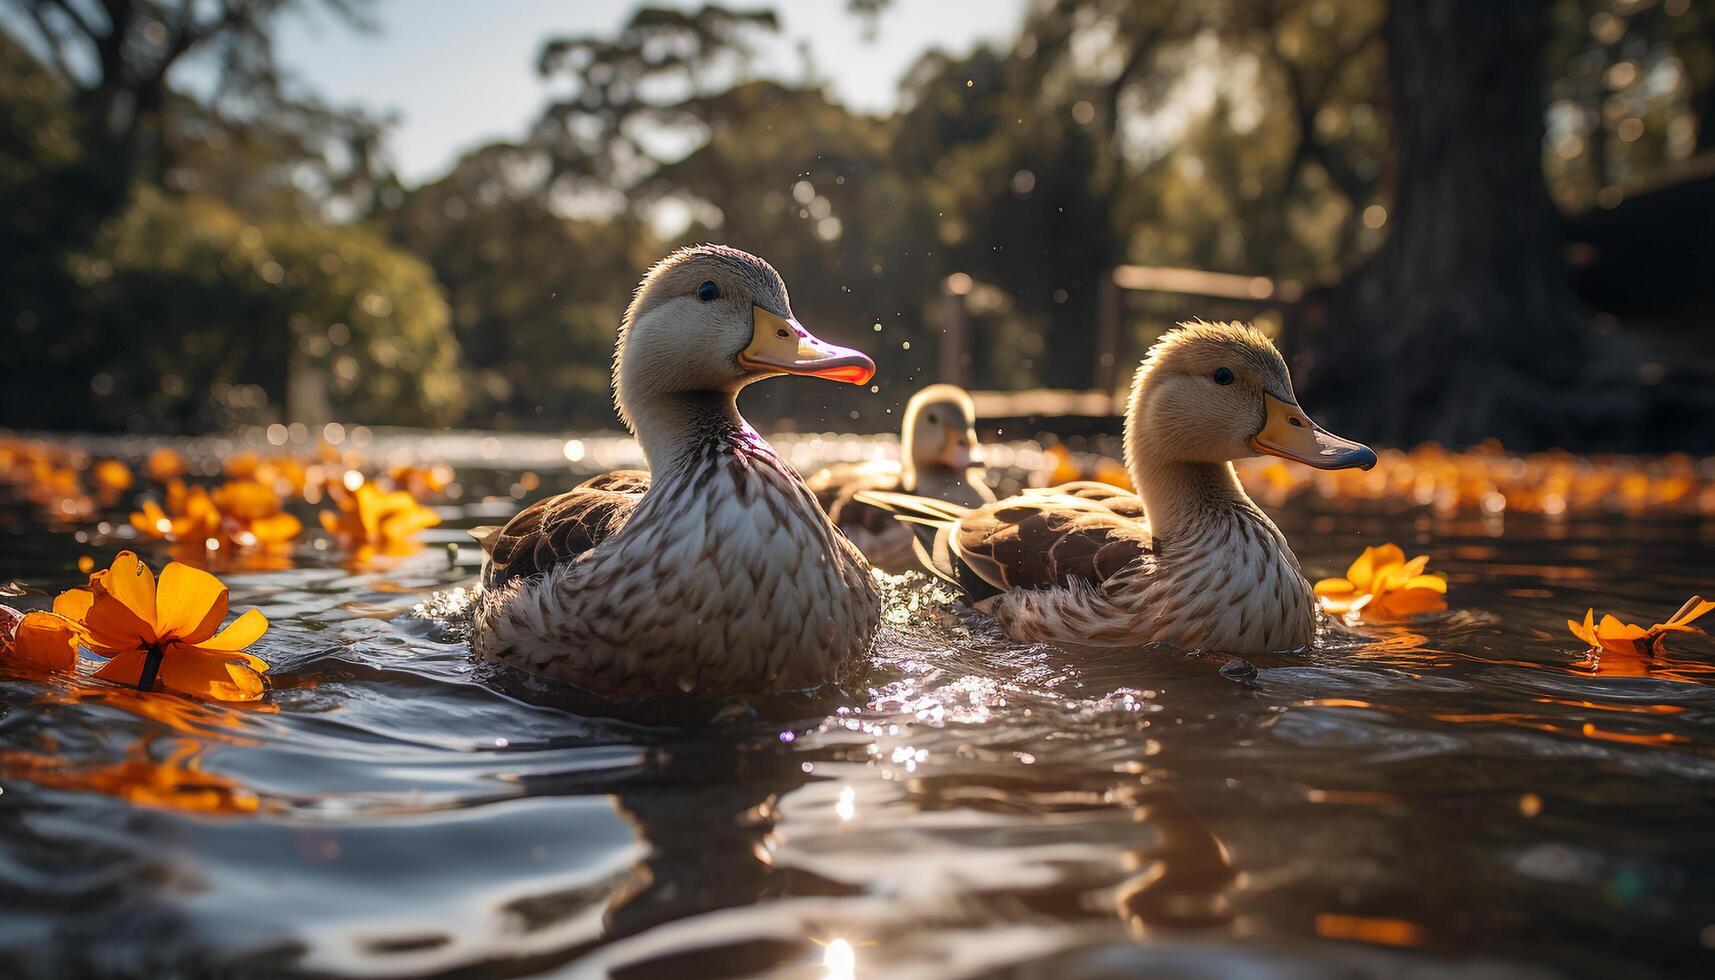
(204,318)
(535,298)
(191,262)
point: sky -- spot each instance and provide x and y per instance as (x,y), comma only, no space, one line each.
(460,73)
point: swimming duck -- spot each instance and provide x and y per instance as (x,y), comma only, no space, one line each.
(937,443)
(716,571)
(1188,561)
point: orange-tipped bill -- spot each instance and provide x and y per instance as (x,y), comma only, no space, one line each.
(1290,434)
(781,345)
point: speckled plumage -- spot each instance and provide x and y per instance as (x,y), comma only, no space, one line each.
(717,572)
(724,577)
(1227,582)
(936,442)
(1189,561)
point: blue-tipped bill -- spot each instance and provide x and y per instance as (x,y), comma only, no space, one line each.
(1289,434)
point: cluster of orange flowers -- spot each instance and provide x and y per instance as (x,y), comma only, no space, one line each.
(1383,584)
(1487,479)
(246,515)
(153,634)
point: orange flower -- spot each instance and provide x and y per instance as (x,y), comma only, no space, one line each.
(56,489)
(1381,582)
(153,634)
(369,517)
(49,640)
(252,515)
(111,474)
(421,481)
(165,464)
(1613,636)
(190,516)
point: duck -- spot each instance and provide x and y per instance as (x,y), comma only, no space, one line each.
(1188,560)
(938,441)
(715,572)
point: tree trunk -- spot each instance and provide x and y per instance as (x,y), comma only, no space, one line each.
(1464,325)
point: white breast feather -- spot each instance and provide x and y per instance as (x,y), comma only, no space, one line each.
(739,586)
(1234,587)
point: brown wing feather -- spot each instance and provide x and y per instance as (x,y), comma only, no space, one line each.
(1122,502)
(1041,539)
(837,486)
(559,529)
(634,482)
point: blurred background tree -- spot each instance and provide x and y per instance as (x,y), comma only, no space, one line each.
(1492,212)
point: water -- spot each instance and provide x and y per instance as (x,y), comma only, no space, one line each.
(1453,797)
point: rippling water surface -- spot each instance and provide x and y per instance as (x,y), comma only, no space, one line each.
(1462,796)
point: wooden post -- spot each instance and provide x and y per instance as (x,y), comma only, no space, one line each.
(1107,333)
(953,342)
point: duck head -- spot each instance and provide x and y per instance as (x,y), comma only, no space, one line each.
(712,319)
(1213,393)
(939,430)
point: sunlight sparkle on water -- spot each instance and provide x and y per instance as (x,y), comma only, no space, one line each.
(839,961)
(846,808)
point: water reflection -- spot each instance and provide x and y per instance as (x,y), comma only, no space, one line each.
(156,772)
(1428,790)
(1184,880)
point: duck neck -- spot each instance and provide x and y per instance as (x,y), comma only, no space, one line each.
(1183,499)
(934,480)
(670,427)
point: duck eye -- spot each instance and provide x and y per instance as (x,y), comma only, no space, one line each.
(1222,376)
(708,292)
(933,419)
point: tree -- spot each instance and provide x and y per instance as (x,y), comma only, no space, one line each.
(195,318)
(118,58)
(535,297)
(1464,325)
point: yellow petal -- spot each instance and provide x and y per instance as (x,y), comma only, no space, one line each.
(151,520)
(1388,555)
(46,641)
(1624,646)
(130,581)
(257,664)
(205,675)
(1334,586)
(276,528)
(1695,608)
(125,668)
(1433,582)
(1363,570)
(1409,602)
(113,626)
(1612,629)
(74,604)
(240,633)
(405,524)
(189,604)
(369,504)
(1586,630)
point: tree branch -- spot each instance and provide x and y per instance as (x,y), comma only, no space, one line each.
(72,14)
(51,38)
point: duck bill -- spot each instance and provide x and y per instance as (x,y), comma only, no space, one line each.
(1290,434)
(781,345)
